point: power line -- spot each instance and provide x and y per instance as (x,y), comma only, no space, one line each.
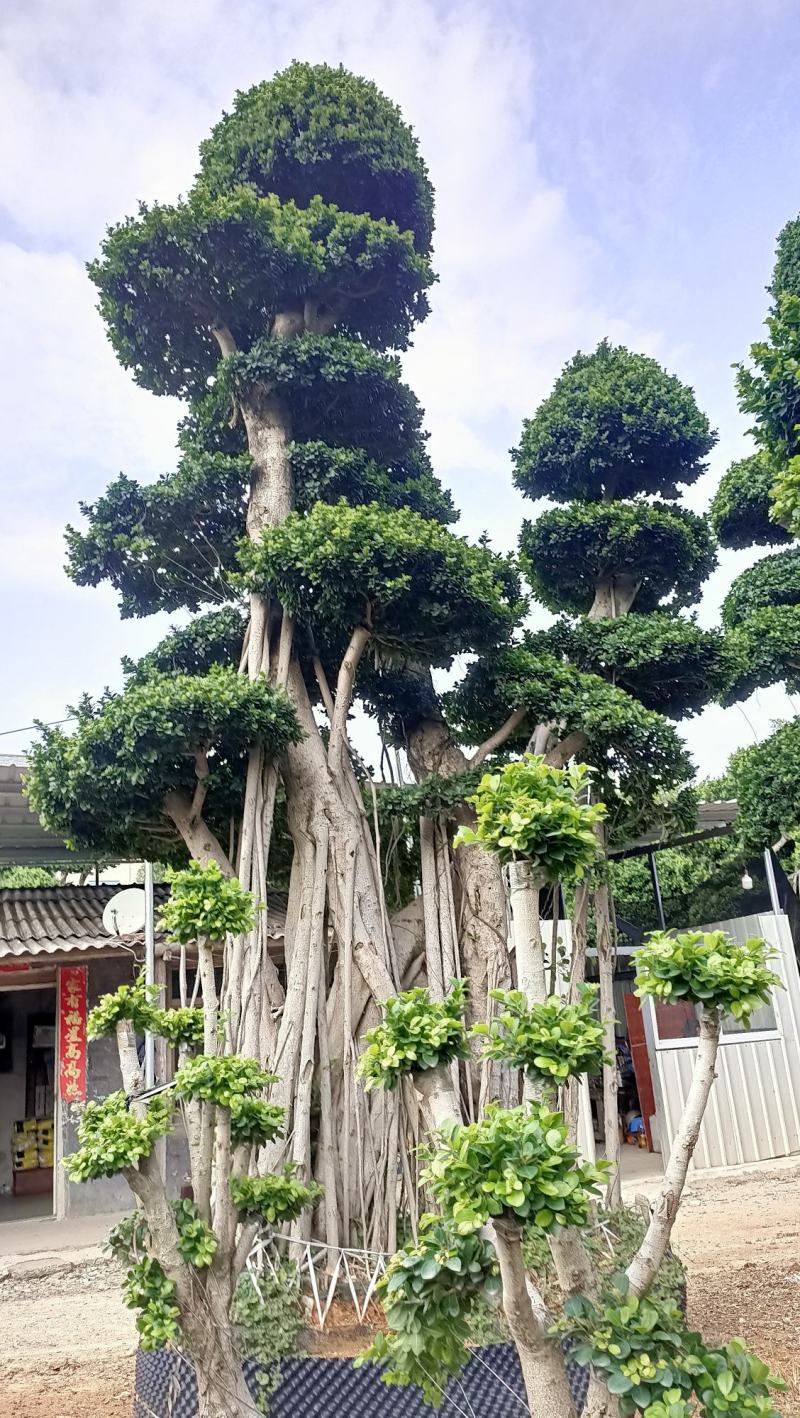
(51,724)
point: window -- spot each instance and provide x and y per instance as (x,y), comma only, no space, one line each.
(682,1021)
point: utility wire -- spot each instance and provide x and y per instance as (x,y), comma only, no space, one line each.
(51,724)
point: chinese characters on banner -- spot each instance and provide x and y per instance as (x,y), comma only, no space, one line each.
(72,1033)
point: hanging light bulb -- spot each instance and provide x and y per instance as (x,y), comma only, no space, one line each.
(747,880)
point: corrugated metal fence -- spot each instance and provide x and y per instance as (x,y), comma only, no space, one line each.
(753,1113)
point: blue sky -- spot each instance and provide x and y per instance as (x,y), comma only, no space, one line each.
(613,167)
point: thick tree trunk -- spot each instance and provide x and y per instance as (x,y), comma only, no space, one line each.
(643,1268)
(481,897)
(540,1357)
(221,1388)
(613,596)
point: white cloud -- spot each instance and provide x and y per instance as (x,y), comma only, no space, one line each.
(103,103)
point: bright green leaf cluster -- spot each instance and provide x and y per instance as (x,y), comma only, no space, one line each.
(416,1033)
(528,811)
(197,1243)
(149,1290)
(708,968)
(653,1366)
(134,1003)
(785,496)
(138,1004)
(112,1138)
(221,1079)
(517,1161)
(183,1026)
(276,1197)
(255,1121)
(205,905)
(770,391)
(429,1292)
(418,588)
(553,1041)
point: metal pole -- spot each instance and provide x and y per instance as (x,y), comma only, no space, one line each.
(651,857)
(149,970)
(772,883)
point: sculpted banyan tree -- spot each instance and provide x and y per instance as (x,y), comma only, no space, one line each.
(303,512)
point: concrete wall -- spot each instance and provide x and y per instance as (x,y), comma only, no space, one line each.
(110,1194)
(23,1003)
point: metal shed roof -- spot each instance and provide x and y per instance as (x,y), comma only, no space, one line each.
(49,920)
(23,840)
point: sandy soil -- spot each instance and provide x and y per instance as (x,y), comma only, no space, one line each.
(67,1342)
(739,1237)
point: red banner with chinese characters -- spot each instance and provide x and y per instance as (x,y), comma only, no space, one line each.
(72,1033)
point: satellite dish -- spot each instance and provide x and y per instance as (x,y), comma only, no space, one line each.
(125,912)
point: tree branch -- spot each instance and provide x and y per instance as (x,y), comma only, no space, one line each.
(643,1268)
(560,754)
(202,771)
(499,737)
(344,689)
(224,338)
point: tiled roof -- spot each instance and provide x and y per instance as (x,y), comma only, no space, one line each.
(45,920)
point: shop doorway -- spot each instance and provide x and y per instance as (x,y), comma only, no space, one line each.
(27,1101)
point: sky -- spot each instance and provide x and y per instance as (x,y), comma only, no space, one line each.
(602,168)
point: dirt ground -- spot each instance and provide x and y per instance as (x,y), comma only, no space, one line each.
(739,1237)
(67,1342)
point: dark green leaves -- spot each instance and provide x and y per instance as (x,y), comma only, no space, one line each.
(531,812)
(416,1033)
(773,581)
(335,389)
(105,784)
(708,968)
(766,780)
(742,505)
(615,425)
(668,551)
(169,274)
(314,130)
(667,662)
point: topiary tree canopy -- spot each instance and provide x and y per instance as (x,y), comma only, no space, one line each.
(312,132)
(742,506)
(615,426)
(659,552)
(667,662)
(767,787)
(143,763)
(411,583)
